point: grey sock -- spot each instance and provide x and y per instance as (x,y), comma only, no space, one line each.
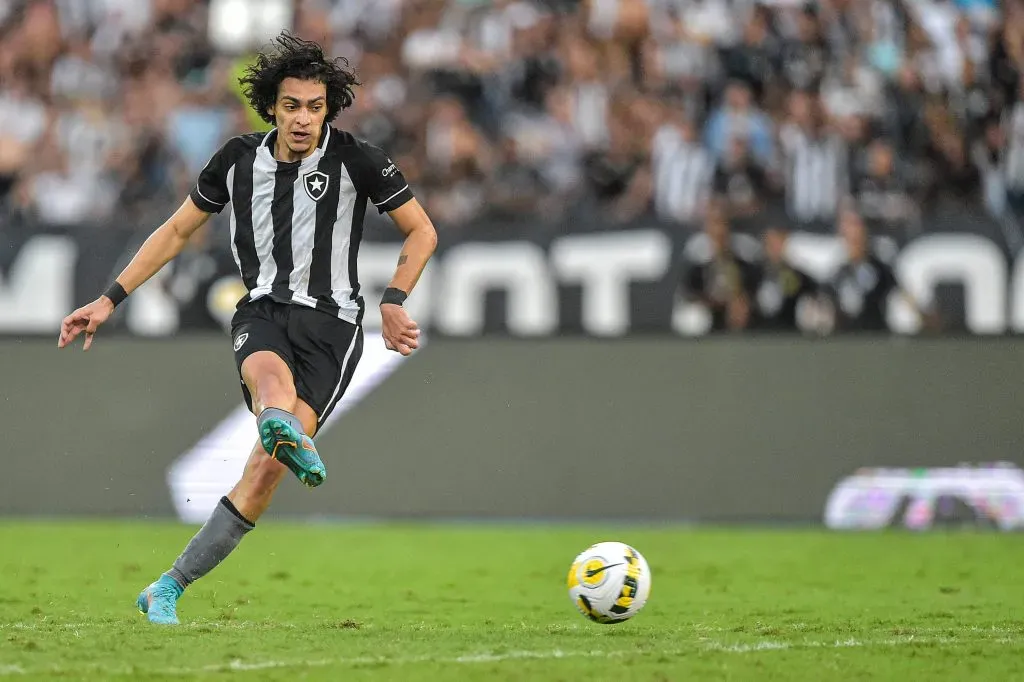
(211,545)
(278,413)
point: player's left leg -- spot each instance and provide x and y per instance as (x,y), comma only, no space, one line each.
(322,353)
(233,517)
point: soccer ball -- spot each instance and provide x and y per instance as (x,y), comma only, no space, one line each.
(609,582)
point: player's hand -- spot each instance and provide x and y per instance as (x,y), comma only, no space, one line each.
(86,319)
(400,333)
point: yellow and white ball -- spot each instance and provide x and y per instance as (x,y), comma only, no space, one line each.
(609,582)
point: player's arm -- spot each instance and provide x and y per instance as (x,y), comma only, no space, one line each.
(210,195)
(420,242)
(159,249)
(400,332)
(381,180)
(162,246)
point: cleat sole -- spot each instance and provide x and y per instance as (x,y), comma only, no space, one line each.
(281,441)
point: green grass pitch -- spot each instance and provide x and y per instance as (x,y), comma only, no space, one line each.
(412,602)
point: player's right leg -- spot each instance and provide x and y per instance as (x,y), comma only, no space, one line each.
(262,475)
(264,356)
(284,436)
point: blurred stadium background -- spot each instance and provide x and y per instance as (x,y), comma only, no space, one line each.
(756,260)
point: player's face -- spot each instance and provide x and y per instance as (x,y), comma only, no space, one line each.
(300,111)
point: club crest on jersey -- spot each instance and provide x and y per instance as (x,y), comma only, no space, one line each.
(315,184)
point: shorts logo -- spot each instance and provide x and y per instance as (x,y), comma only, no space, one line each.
(315,183)
(240,340)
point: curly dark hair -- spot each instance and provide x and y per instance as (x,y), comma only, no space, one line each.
(297,58)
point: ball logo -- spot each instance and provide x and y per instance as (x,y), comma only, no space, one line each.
(594,572)
(240,340)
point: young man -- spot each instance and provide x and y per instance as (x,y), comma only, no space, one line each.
(781,287)
(721,279)
(297,196)
(861,289)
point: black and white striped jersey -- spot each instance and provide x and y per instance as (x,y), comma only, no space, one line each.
(817,176)
(683,173)
(296,227)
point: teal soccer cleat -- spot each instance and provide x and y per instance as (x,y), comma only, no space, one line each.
(159,600)
(293,449)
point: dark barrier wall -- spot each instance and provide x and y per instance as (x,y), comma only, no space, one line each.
(582,278)
(730,430)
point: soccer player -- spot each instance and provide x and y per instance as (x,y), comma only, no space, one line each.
(296,197)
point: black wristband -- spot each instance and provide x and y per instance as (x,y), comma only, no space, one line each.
(116,293)
(394,296)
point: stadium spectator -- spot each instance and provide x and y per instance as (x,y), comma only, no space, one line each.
(903,116)
(719,278)
(816,162)
(618,181)
(989,155)
(781,288)
(741,183)
(851,89)
(1012,137)
(954,176)
(549,142)
(515,190)
(805,54)
(683,171)
(883,191)
(23,120)
(740,117)
(864,285)
(755,60)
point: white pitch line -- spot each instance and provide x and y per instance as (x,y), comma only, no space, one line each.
(471,659)
(746,648)
(697,628)
(46,626)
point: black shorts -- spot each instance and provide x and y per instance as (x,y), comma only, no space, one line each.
(321,350)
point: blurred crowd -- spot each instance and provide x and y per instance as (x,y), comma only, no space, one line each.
(743,282)
(609,110)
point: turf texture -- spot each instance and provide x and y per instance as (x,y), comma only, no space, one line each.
(428,602)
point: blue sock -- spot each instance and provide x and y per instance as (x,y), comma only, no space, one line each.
(167,579)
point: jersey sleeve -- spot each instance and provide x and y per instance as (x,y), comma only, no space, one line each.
(379,178)
(210,193)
